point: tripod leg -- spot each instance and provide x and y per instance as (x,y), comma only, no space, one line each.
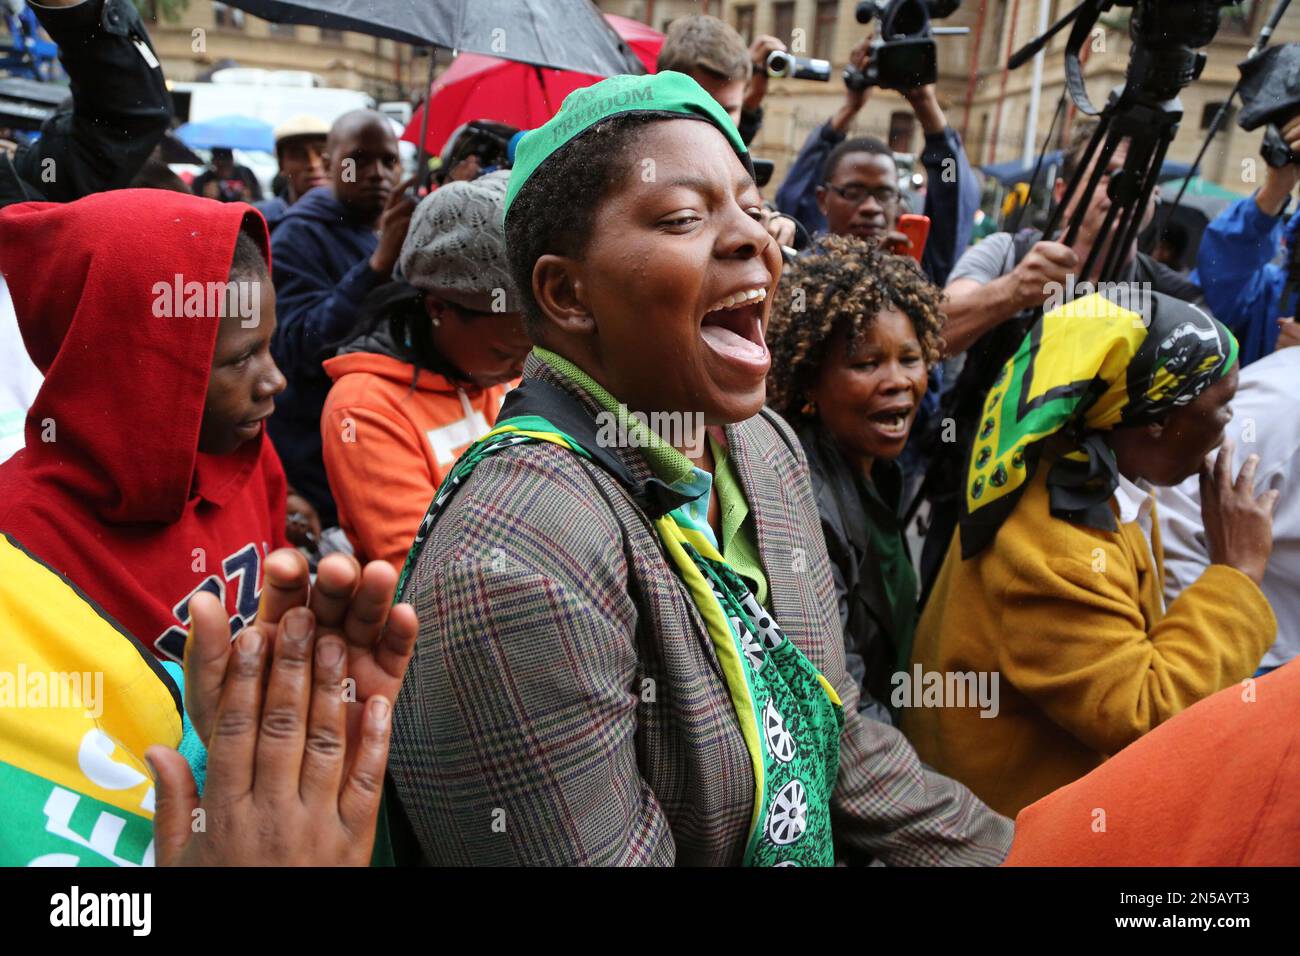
(1113,139)
(1103,126)
(1128,233)
(1127,190)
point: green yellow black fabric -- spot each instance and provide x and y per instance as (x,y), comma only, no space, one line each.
(1083,369)
(80,700)
(789,714)
(666,92)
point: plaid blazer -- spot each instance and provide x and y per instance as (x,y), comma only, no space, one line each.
(565,705)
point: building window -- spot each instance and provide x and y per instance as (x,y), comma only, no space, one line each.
(827,13)
(1240,20)
(227,17)
(330,35)
(991,55)
(285,31)
(745,23)
(783,21)
(901,127)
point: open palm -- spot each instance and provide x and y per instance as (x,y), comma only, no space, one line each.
(353,602)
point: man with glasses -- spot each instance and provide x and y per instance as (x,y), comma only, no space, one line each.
(850,186)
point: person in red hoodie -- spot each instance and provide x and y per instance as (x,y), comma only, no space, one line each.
(147,476)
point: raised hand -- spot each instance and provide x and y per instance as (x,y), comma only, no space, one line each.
(394,221)
(1048,265)
(353,603)
(1238,525)
(282,789)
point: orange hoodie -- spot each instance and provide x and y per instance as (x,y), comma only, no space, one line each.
(387,445)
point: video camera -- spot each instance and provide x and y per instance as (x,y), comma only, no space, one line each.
(793,67)
(1144,112)
(1270,93)
(903,52)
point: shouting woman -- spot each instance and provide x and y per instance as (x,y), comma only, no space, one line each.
(853,334)
(629,648)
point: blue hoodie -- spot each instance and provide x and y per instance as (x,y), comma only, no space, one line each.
(1237,269)
(320,256)
(273,210)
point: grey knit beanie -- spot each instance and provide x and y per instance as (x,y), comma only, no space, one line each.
(456,246)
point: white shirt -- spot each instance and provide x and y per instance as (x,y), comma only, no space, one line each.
(1137,504)
(1265,422)
(448,441)
(20,380)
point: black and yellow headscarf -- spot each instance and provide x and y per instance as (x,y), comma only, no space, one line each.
(1083,369)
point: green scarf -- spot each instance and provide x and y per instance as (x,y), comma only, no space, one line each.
(789,715)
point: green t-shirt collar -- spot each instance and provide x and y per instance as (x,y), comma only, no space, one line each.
(668,464)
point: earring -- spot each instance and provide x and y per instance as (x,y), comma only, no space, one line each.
(436,322)
(809,409)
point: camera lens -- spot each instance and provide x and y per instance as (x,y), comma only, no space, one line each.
(778,63)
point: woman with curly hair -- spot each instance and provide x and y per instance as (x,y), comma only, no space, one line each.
(852,335)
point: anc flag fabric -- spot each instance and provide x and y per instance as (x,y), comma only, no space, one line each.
(80,701)
(1096,363)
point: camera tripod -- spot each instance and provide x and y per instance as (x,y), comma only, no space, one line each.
(1148,126)
(1145,112)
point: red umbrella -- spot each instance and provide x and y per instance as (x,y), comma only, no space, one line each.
(478,87)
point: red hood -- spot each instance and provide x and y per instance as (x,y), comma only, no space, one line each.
(124,389)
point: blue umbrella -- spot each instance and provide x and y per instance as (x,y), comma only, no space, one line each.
(232,132)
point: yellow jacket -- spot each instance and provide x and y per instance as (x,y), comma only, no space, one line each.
(1070,619)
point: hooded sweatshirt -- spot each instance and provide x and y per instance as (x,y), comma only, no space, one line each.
(388,444)
(111,489)
(322,272)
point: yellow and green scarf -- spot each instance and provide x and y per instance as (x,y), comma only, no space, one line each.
(1083,369)
(80,701)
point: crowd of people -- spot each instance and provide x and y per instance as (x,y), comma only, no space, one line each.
(561,514)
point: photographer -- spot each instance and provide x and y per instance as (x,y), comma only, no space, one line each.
(712,54)
(1242,284)
(992,295)
(1005,274)
(839,186)
(120,108)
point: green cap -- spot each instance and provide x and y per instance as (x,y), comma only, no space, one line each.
(666,92)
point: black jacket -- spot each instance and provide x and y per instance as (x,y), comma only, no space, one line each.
(865,613)
(120,107)
(320,263)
